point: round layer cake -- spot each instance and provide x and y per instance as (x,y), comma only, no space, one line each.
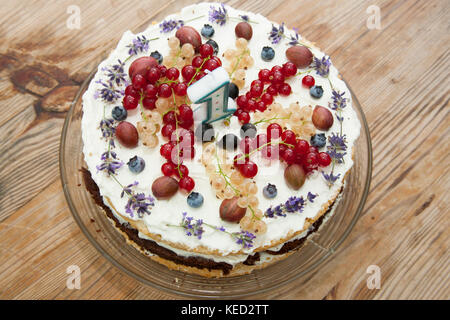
(217,141)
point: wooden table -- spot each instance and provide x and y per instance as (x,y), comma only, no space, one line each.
(399,72)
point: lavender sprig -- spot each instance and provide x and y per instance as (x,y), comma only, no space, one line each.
(195,229)
(137,202)
(330,178)
(116,73)
(292,205)
(276,34)
(110,163)
(219,15)
(244,238)
(337,147)
(294,38)
(322,66)
(108,92)
(171,24)
(140,44)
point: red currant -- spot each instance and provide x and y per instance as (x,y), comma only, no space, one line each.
(277,77)
(151,91)
(308,81)
(149,103)
(275,69)
(289,69)
(257,82)
(131,91)
(267,98)
(167,130)
(261,106)
(256,90)
(206,50)
(251,105)
(242,101)
(239,159)
(313,149)
(169,117)
(162,70)
(211,65)
(288,155)
(311,161)
(188,72)
(168,169)
(166,150)
(272,90)
(185,112)
(288,136)
(301,147)
(180,89)
(181,171)
(130,102)
(285,89)
(324,159)
(187,184)
(244,117)
(153,75)
(197,62)
(164,90)
(139,81)
(274,131)
(264,75)
(248,169)
(172,74)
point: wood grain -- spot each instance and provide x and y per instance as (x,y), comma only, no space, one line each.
(400,74)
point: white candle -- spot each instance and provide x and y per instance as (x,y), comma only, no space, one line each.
(212,92)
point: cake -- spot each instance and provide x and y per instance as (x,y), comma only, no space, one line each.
(217,141)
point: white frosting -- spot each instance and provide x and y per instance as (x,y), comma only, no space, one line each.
(170,211)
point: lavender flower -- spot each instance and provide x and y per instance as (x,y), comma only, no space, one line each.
(116,72)
(137,202)
(330,178)
(244,238)
(218,16)
(322,66)
(245,18)
(337,147)
(109,163)
(294,39)
(108,93)
(294,204)
(276,34)
(169,25)
(195,229)
(108,128)
(311,197)
(139,45)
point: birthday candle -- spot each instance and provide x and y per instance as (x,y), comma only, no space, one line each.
(212,92)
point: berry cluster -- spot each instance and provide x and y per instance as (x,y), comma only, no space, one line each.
(270,83)
(239,60)
(206,60)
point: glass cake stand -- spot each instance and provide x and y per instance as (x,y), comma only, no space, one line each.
(112,245)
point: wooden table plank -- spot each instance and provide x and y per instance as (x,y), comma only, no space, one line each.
(400,74)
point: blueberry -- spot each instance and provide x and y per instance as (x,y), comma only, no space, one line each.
(229,142)
(205,132)
(119,113)
(195,199)
(318,140)
(136,164)
(267,53)
(233,91)
(207,31)
(158,56)
(214,45)
(248,130)
(270,191)
(316,92)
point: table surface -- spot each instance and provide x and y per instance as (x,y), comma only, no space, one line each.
(399,72)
